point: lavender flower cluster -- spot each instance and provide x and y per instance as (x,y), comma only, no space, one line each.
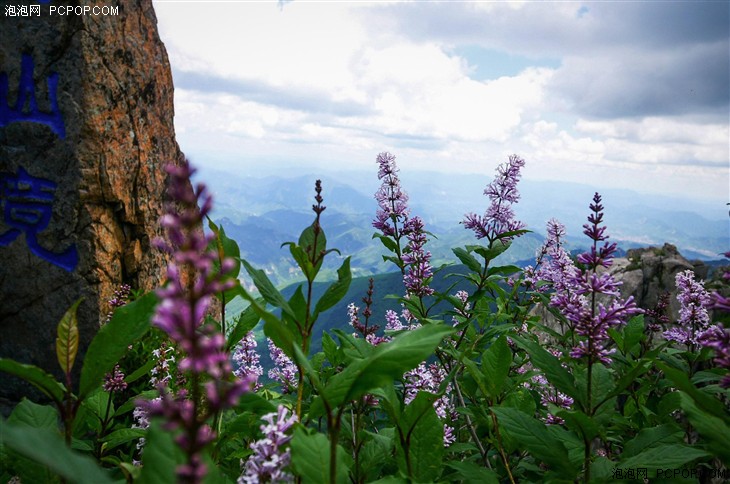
(246,358)
(392,212)
(270,459)
(499,218)
(693,316)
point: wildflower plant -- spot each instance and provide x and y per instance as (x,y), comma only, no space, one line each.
(466,382)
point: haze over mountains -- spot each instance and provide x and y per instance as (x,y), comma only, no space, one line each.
(262,212)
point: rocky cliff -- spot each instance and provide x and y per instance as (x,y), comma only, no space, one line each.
(86,125)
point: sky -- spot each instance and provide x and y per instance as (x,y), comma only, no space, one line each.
(614,94)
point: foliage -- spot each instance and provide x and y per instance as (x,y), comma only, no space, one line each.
(460,381)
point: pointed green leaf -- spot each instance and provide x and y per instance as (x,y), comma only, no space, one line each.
(651,437)
(467,259)
(67,339)
(34,415)
(496,362)
(704,401)
(129,323)
(310,457)
(712,428)
(388,362)
(46,447)
(336,291)
(244,322)
(664,456)
(536,439)
(270,294)
(424,435)
(122,436)
(550,366)
(35,376)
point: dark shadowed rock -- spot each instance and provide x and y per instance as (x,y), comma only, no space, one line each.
(86,126)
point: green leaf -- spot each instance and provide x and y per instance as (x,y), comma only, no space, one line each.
(467,259)
(651,437)
(67,339)
(46,447)
(161,456)
(36,376)
(664,456)
(34,415)
(245,322)
(551,367)
(129,323)
(633,333)
(336,291)
(580,423)
(489,253)
(388,362)
(389,243)
(468,471)
(704,401)
(536,439)
(122,436)
(270,294)
(424,435)
(310,457)
(228,247)
(496,362)
(712,428)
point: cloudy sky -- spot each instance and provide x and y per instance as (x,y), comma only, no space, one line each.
(613,94)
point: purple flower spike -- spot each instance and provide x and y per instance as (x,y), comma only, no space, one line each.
(419,272)
(392,201)
(576,291)
(192,283)
(502,192)
(247,359)
(693,316)
(284,371)
(717,337)
(114,381)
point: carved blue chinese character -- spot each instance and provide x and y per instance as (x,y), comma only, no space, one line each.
(27,209)
(26,106)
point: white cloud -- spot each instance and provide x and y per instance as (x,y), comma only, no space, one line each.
(338,82)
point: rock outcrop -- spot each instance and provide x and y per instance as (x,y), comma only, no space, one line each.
(86,126)
(649,272)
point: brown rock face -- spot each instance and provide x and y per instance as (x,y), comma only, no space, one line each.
(86,126)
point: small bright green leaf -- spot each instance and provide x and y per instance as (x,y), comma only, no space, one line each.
(336,291)
(129,323)
(580,423)
(48,448)
(67,339)
(270,294)
(36,376)
(245,322)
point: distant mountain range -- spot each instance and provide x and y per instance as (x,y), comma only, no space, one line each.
(261,213)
